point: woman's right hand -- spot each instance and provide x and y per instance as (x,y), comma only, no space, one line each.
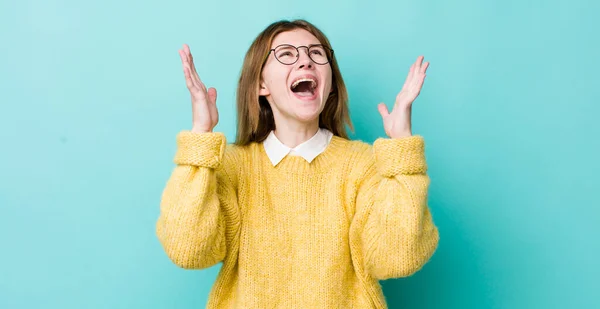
(204,109)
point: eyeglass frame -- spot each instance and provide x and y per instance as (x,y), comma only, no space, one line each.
(329,59)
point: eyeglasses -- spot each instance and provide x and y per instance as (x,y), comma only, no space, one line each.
(288,54)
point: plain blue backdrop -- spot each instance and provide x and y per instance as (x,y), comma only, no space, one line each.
(92,96)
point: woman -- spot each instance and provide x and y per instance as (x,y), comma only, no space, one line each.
(300,216)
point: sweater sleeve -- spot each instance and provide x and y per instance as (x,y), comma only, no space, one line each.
(191,226)
(399,235)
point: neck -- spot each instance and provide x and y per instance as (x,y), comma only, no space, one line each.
(292,135)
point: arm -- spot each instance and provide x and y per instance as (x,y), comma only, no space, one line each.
(191,225)
(399,235)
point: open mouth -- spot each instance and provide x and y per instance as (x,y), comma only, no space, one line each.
(304,87)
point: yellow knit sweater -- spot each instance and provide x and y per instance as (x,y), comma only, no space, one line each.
(298,234)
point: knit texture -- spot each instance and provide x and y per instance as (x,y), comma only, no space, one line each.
(298,234)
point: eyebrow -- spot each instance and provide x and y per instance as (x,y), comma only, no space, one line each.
(315,44)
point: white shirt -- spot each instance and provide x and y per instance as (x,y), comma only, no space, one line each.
(309,150)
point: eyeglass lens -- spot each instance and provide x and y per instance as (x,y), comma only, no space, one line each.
(288,54)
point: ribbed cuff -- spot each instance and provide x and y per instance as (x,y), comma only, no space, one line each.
(400,156)
(200,149)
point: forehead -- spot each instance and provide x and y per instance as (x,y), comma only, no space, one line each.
(295,37)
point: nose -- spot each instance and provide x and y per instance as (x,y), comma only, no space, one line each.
(304,60)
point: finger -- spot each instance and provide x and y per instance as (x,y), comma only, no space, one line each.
(195,75)
(192,65)
(419,63)
(409,77)
(188,78)
(183,57)
(190,58)
(417,85)
(419,74)
(212,98)
(383,110)
(212,95)
(187,71)
(186,56)
(416,89)
(186,50)
(424,67)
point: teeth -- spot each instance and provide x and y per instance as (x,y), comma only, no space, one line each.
(313,83)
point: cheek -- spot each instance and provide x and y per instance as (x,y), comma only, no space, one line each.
(329,78)
(275,80)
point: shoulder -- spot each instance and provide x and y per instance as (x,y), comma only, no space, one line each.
(235,159)
(234,154)
(357,151)
(357,157)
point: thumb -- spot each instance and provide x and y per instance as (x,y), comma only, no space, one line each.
(212,95)
(383,110)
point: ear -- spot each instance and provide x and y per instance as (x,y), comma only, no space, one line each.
(263,90)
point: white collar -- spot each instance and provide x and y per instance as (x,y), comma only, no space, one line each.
(309,150)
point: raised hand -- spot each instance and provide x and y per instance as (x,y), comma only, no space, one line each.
(397,124)
(204,109)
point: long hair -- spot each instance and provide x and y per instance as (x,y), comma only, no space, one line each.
(254,115)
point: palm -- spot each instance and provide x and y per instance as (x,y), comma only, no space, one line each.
(413,84)
(397,123)
(204,110)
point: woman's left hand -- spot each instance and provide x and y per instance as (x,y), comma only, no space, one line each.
(397,123)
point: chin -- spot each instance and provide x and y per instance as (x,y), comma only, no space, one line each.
(307,118)
(307,111)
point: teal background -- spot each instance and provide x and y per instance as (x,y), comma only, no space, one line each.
(92,96)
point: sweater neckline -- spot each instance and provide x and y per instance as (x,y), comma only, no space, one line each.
(297,164)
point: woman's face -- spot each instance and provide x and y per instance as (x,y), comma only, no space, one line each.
(291,100)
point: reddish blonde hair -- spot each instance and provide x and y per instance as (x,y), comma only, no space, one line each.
(254,115)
